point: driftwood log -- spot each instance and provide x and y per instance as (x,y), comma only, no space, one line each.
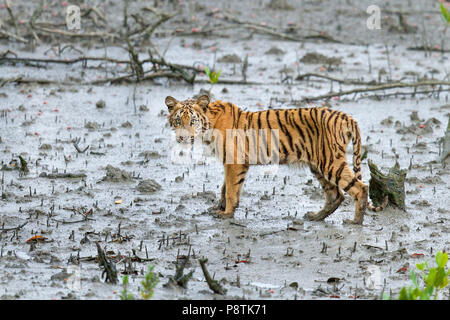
(391,185)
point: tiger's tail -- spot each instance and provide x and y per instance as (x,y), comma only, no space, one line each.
(356,141)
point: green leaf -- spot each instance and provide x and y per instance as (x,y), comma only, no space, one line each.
(425,295)
(440,278)
(438,258)
(444,282)
(414,278)
(430,280)
(385,296)
(441,259)
(403,295)
(420,266)
(445,13)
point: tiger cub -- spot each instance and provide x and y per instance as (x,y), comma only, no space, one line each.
(317,137)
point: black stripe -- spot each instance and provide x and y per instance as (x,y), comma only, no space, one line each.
(259,120)
(339,172)
(351,184)
(330,175)
(242,172)
(300,131)
(316,126)
(288,134)
(311,141)
(240,181)
(238,117)
(329,166)
(283,130)
(250,119)
(232,114)
(335,122)
(268,120)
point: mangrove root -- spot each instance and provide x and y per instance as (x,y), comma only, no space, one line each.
(109,268)
(214,285)
(180,279)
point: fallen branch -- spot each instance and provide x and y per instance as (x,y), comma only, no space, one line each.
(301,77)
(70,222)
(62,175)
(148,30)
(36,14)
(264,29)
(82,59)
(11,15)
(76,141)
(3,229)
(10,35)
(20,79)
(428,49)
(101,35)
(378,88)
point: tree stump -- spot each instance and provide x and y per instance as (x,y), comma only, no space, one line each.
(391,185)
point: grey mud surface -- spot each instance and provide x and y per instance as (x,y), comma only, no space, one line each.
(267,251)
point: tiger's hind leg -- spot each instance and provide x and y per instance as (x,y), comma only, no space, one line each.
(348,182)
(333,198)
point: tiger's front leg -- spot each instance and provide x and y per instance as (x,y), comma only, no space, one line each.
(221,204)
(234,179)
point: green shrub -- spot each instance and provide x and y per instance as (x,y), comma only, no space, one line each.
(434,280)
(149,283)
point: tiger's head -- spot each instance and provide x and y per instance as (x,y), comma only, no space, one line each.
(188,118)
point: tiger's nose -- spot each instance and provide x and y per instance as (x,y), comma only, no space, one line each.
(181,139)
(185,139)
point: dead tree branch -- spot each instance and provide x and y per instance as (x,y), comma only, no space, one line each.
(381,87)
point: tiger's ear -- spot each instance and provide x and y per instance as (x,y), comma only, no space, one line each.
(171,102)
(203,102)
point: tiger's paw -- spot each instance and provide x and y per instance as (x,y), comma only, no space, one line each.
(221,214)
(353,222)
(313,216)
(217,206)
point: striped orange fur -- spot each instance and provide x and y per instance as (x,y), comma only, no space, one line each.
(317,137)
